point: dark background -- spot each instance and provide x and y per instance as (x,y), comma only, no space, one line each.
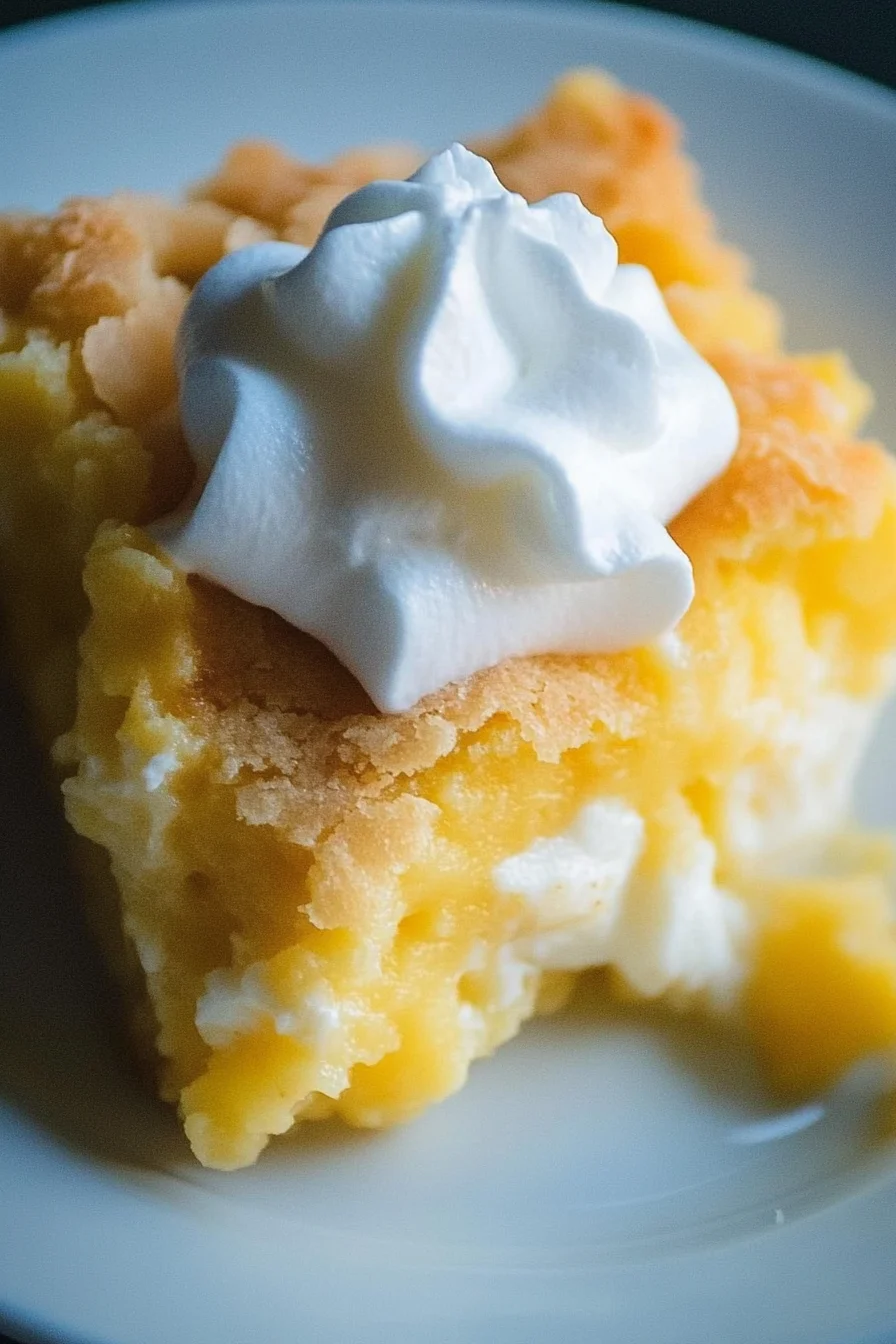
(857,34)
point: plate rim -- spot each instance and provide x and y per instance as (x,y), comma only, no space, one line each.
(742,49)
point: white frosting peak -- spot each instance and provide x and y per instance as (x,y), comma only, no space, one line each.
(449,434)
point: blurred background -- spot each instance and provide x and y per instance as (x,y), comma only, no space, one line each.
(857,34)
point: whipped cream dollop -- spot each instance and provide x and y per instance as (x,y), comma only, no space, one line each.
(450,433)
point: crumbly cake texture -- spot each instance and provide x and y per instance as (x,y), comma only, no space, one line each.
(306,887)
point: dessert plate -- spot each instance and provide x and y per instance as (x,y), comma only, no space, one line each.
(609,1176)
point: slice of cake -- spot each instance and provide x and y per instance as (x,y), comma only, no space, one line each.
(327,908)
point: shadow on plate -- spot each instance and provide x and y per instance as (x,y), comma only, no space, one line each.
(64,1062)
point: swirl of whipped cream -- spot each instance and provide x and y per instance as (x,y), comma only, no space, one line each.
(449,434)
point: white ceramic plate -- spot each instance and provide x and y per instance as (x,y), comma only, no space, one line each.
(605,1178)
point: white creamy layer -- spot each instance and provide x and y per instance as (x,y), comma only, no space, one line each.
(233,1005)
(677,930)
(451,433)
(799,793)
(239,1003)
(593,907)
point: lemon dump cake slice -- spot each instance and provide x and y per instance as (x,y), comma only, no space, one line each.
(332,909)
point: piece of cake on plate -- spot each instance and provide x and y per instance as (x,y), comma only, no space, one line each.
(613,598)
